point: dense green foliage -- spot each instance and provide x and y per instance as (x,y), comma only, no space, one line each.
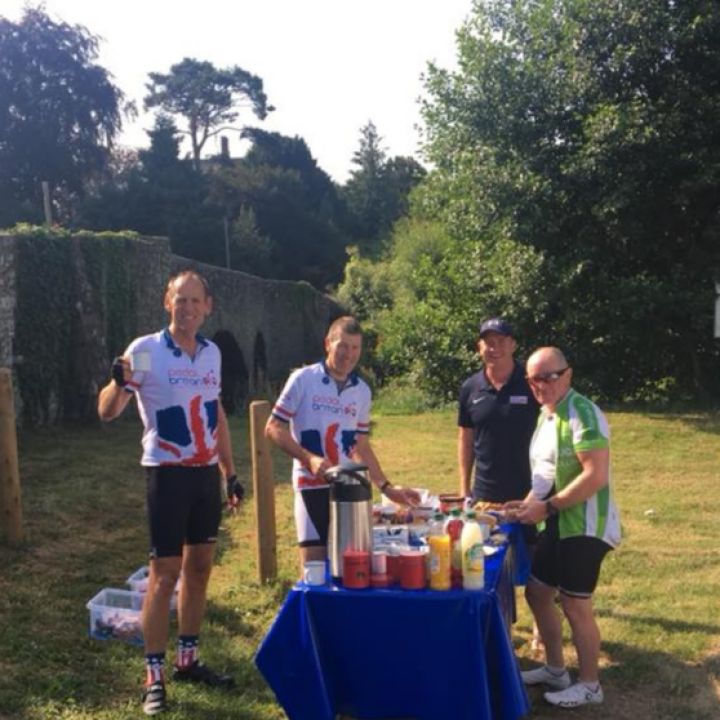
(157,193)
(294,206)
(84,287)
(577,162)
(59,112)
(273,213)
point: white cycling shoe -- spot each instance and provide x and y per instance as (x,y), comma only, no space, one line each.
(575,696)
(544,676)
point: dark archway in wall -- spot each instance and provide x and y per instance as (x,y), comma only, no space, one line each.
(234,375)
(260,378)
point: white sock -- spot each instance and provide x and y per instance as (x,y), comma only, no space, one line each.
(592,687)
(557,671)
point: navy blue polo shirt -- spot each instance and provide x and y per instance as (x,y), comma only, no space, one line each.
(503,422)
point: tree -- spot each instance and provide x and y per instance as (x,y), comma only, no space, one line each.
(284,210)
(303,242)
(59,113)
(377,191)
(589,133)
(363,191)
(207,97)
(162,195)
(292,153)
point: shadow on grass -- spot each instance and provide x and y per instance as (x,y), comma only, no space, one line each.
(702,422)
(670,626)
(705,420)
(229,618)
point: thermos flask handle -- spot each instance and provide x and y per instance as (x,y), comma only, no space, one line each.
(353,471)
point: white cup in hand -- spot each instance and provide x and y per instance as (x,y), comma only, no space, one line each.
(140,362)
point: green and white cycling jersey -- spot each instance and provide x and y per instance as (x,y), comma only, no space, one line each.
(579,426)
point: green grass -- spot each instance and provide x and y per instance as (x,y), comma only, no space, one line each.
(83,502)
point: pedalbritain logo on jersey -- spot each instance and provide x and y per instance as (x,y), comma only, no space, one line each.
(190,377)
(330,404)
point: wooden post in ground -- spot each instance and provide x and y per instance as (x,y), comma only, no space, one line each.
(11,529)
(264,491)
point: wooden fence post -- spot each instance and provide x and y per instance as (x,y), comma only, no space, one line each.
(11,526)
(264,491)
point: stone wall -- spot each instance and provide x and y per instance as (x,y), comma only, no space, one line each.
(264,327)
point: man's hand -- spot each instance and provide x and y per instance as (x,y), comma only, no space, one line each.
(318,466)
(530,512)
(511,509)
(235,492)
(402,495)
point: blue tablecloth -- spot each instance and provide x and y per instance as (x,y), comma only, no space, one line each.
(422,654)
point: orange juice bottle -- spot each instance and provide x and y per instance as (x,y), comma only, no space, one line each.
(440,552)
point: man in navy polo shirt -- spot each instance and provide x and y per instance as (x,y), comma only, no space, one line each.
(496,420)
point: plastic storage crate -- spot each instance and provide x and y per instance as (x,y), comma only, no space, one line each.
(138,582)
(117,613)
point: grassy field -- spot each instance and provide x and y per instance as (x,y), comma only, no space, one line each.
(83,503)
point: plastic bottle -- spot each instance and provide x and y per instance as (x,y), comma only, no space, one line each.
(439,543)
(453,527)
(434,528)
(473,553)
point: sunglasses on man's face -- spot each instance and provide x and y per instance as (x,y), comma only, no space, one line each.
(549,377)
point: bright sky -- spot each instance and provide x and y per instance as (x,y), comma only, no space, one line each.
(328,66)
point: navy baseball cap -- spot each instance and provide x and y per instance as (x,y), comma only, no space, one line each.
(497,325)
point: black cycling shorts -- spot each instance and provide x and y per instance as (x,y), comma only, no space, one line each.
(572,564)
(312,516)
(184,507)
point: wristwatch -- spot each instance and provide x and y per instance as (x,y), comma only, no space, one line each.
(550,509)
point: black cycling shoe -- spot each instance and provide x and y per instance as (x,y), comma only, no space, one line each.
(200,673)
(154,700)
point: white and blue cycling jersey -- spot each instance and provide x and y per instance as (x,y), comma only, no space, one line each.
(323,418)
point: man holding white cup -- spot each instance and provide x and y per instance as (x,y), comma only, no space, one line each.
(174,375)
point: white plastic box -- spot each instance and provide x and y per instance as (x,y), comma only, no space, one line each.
(117,613)
(138,582)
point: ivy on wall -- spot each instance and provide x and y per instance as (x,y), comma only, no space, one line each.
(106,259)
(66,334)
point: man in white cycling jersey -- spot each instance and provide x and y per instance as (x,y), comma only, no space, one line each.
(174,376)
(322,419)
